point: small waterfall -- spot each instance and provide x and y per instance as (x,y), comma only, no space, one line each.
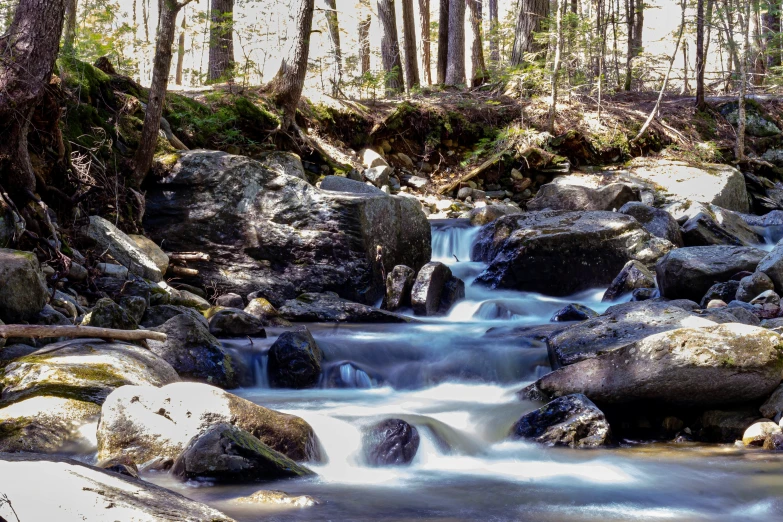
(262,378)
(453,238)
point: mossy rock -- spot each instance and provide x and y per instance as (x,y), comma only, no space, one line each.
(88,83)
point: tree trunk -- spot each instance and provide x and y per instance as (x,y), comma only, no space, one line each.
(556,65)
(700,103)
(288,83)
(744,21)
(494,28)
(157,95)
(181,52)
(409,45)
(390,47)
(27,55)
(629,17)
(638,28)
(443,40)
(455,65)
(221,42)
(69,32)
(364,44)
(337,53)
(426,56)
(478,67)
(686,88)
(531,13)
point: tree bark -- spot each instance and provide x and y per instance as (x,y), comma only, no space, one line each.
(629,21)
(181,52)
(337,53)
(34,331)
(426,55)
(28,51)
(443,40)
(744,21)
(157,96)
(409,45)
(364,44)
(638,28)
(221,42)
(686,88)
(390,47)
(455,65)
(69,32)
(531,13)
(478,67)
(700,64)
(556,65)
(494,27)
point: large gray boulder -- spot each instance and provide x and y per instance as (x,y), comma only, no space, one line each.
(294,361)
(687,273)
(70,490)
(751,286)
(234,322)
(557,252)
(399,283)
(274,232)
(700,367)
(556,196)
(431,287)
(329,308)
(712,225)
(144,423)
(656,221)
(23,287)
(572,420)
(122,248)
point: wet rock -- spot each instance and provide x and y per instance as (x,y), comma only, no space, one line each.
(710,365)
(725,425)
(753,285)
(341,184)
(758,432)
(186,298)
(270,497)
(194,353)
(157,315)
(657,222)
(122,248)
(453,291)
(392,442)
(85,370)
(145,423)
(432,286)
(294,361)
(768,297)
(233,322)
(108,314)
(689,272)
(329,308)
(725,292)
(230,300)
(555,196)
(712,225)
(285,234)
(24,292)
(123,466)
(621,325)
(227,454)
(633,275)
(263,310)
(484,215)
(153,251)
(643,294)
(772,266)
(572,421)
(774,442)
(557,252)
(76,491)
(574,312)
(399,283)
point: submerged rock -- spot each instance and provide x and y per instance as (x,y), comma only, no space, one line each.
(572,421)
(574,312)
(329,308)
(556,196)
(392,442)
(294,361)
(24,292)
(267,497)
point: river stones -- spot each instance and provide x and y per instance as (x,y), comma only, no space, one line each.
(158,315)
(710,365)
(108,314)
(725,292)
(428,287)
(556,196)
(24,292)
(287,237)
(194,352)
(399,283)
(725,425)
(484,215)
(657,222)
(772,266)
(71,490)
(230,300)
(145,423)
(572,420)
(109,238)
(392,442)
(272,497)
(286,163)
(330,308)
(687,273)
(85,370)
(619,326)
(751,286)
(634,275)
(227,454)
(234,322)
(263,310)
(759,431)
(153,251)
(294,361)
(557,252)
(712,225)
(573,312)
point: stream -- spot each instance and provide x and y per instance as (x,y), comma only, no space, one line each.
(457,385)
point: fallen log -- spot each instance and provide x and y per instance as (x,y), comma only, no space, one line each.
(175,270)
(473,173)
(188,256)
(39,331)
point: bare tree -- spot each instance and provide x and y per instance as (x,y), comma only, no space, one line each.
(478,67)
(28,51)
(390,47)
(744,21)
(157,96)
(221,42)
(364,44)
(531,14)
(556,65)
(494,28)
(426,56)
(337,53)
(69,32)
(409,45)
(700,63)
(181,52)
(455,65)
(443,40)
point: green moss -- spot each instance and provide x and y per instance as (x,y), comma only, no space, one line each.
(86,81)
(247,443)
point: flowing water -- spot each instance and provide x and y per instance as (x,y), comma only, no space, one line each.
(457,385)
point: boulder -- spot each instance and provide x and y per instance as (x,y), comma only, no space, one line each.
(758,432)
(234,322)
(85,370)
(484,215)
(574,312)
(744,316)
(24,292)
(72,491)
(145,423)
(284,163)
(774,442)
(453,291)
(108,314)
(134,306)
(182,297)
(230,300)
(341,184)
(122,466)
(657,222)
(557,252)
(294,361)
(399,283)
(370,159)
(572,420)
(712,225)
(689,272)
(110,239)
(263,310)
(772,266)
(724,425)
(285,235)
(378,176)
(45,424)
(755,123)
(555,196)
(194,352)
(157,315)
(227,454)
(711,365)
(621,325)
(428,287)
(751,286)
(634,275)
(329,308)
(153,251)
(764,298)
(725,292)
(773,406)
(392,442)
